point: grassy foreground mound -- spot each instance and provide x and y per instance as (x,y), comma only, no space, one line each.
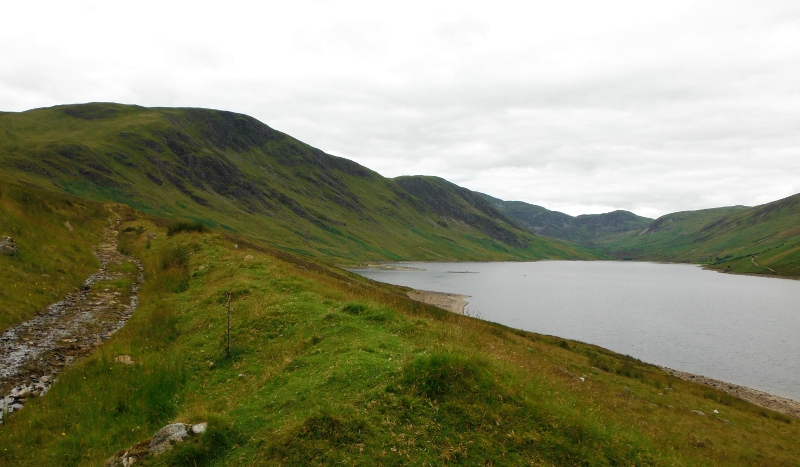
(329,368)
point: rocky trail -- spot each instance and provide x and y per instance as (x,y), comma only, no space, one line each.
(34,352)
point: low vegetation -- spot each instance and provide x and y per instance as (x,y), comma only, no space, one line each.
(330,368)
(54,235)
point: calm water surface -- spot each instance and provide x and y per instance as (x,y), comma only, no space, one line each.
(740,329)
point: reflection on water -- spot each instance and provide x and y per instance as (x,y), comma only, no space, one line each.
(740,329)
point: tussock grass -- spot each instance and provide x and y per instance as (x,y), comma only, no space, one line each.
(179,227)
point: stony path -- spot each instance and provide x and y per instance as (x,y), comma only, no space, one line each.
(34,352)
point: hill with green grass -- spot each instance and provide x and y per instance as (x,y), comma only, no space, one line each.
(235,174)
(758,240)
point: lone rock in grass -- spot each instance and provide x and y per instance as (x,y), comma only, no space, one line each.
(166,437)
(162,441)
(8,246)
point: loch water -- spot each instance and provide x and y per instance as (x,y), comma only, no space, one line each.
(740,329)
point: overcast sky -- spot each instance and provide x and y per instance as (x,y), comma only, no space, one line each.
(578,106)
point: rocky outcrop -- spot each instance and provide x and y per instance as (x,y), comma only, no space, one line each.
(162,441)
(19,395)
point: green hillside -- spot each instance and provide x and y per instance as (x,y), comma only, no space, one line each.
(759,240)
(54,234)
(233,173)
(329,368)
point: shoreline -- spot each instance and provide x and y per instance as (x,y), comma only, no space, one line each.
(451,302)
(754,396)
(388,267)
(455,303)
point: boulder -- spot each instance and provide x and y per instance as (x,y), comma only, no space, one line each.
(124,359)
(162,441)
(166,437)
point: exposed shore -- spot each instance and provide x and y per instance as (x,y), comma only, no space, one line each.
(760,398)
(446,301)
(388,267)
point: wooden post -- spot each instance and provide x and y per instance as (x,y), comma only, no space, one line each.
(228,345)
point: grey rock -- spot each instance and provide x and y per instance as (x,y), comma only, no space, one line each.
(199,428)
(166,437)
(8,246)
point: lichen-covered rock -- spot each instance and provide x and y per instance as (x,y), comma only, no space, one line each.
(162,441)
(166,437)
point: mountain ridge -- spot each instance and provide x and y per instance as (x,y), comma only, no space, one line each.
(231,171)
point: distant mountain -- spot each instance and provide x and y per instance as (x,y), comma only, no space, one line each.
(232,172)
(759,240)
(586,228)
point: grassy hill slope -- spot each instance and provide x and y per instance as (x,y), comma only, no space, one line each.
(54,234)
(331,368)
(759,240)
(455,205)
(231,172)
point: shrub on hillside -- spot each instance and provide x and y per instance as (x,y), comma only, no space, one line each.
(185,227)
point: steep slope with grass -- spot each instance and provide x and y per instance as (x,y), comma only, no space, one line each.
(330,368)
(587,229)
(54,234)
(455,205)
(233,173)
